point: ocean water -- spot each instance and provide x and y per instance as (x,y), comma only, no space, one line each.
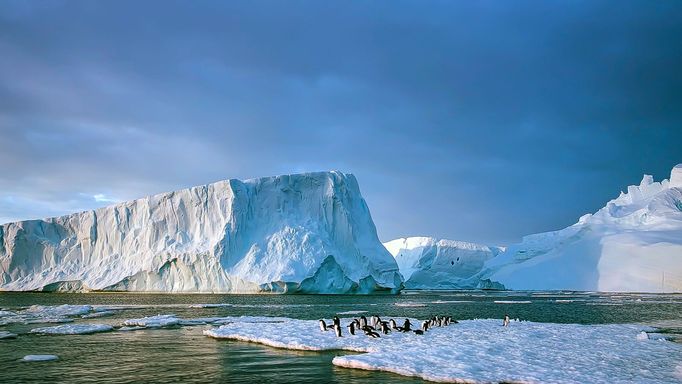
(184,354)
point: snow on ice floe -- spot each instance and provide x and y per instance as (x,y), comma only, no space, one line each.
(40,358)
(484,351)
(73,329)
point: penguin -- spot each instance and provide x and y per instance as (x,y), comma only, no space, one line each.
(393,324)
(406,326)
(425,326)
(351,328)
(505,322)
(369,332)
(337,329)
(323,326)
(363,321)
(384,328)
(418,332)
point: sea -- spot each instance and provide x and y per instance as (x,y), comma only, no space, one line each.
(182,354)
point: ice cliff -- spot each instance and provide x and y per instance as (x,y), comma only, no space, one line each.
(634,243)
(428,263)
(308,233)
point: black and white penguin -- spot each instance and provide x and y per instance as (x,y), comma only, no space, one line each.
(505,322)
(323,326)
(393,324)
(384,328)
(418,332)
(336,321)
(369,332)
(425,326)
(407,325)
(337,330)
(351,327)
(363,321)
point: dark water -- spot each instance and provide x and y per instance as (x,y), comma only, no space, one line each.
(183,354)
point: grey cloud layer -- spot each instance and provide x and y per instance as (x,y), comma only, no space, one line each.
(481,121)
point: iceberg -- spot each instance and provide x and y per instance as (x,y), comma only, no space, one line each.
(633,244)
(428,263)
(304,233)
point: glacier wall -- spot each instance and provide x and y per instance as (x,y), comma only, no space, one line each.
(428,263)
(307,233)
(633,244)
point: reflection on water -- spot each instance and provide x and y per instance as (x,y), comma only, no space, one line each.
(183,354)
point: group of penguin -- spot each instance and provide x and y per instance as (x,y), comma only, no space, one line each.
(376,325)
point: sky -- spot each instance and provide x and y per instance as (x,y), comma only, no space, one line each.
(480,121)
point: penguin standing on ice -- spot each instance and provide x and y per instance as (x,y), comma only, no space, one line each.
(425,325)
(384,328)
(323,326)
(407,325)
(351,327)
(363,321)
(394,326)
(337,330)
(505,322)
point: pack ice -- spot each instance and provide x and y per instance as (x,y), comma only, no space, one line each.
(428,263)
(632,244)
(309,233)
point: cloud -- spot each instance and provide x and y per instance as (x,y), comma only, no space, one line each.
(473,121)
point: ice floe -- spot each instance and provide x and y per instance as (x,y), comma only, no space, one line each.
(40,358)
(98,314)
(484,351)
(153,321)
(73,329)
(7,335)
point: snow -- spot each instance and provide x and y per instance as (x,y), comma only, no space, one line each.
(309,233)
(633,244)
(73,329)
(40,358)
(428,263)
(484,351)
(153,321)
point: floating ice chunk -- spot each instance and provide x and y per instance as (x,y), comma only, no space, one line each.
(410,305)
(642,336)
(351,312)
(98,314)
(40,358)
(153,321)
(512,302)
(7,335)
(527,352)
(56,311)
(128,329)
(73,329)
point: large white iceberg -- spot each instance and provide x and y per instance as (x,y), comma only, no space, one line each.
(428,263)
(309,233)
(632,244)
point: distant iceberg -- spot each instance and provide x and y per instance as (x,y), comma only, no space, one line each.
(633,244)
(305,233)
(428,263)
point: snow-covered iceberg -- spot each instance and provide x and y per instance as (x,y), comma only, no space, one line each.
(308,233)
(632,244)
(428,263)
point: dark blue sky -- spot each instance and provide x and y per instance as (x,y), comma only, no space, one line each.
(480,121)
